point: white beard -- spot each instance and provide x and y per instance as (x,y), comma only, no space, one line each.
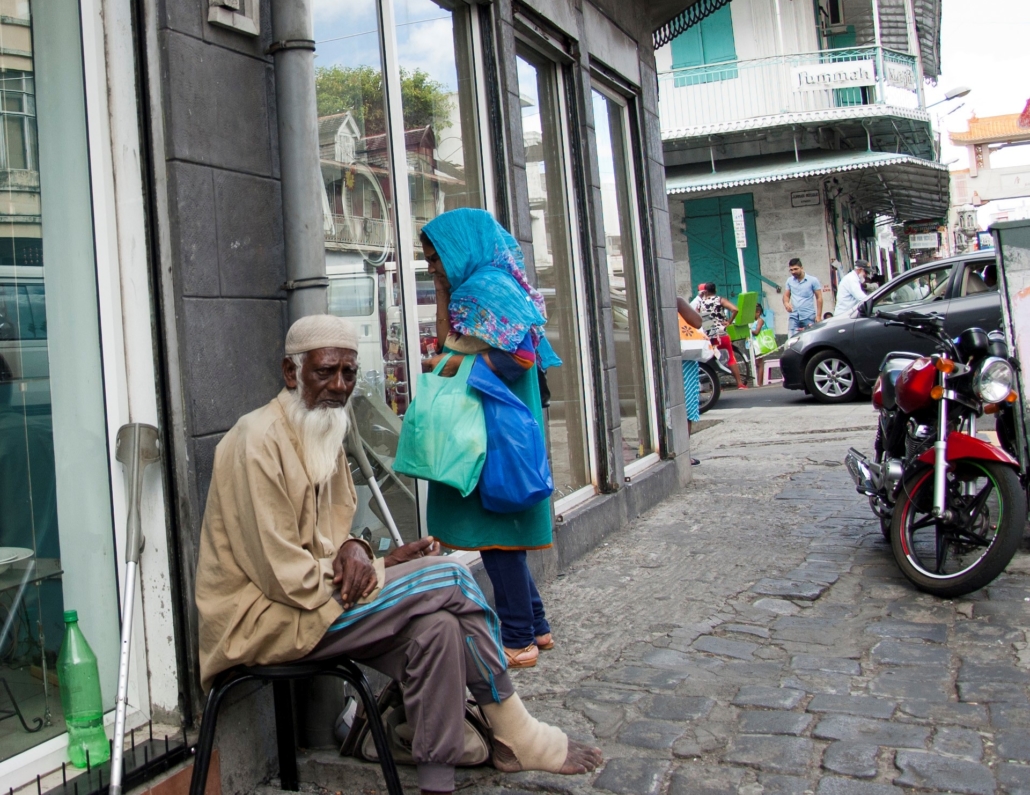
(321,432)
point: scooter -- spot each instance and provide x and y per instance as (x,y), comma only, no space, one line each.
(952,506)
(710,374)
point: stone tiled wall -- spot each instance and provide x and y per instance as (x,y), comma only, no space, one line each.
(220,247)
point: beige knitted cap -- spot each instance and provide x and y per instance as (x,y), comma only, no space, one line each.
(321,331)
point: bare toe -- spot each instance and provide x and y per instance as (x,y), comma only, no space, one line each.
(581,759)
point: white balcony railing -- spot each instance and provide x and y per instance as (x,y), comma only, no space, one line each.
(752,93)
(367,233)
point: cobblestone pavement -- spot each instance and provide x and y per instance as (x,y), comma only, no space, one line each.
(753,635)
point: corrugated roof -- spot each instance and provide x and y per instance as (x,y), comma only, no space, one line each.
(882,183)
(992,129)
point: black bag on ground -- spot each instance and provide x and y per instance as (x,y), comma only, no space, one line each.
(359,742)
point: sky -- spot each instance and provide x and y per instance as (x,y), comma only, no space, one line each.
(346,33)
(985,45)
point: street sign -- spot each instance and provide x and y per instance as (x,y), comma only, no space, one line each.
(924,240)
(739,230)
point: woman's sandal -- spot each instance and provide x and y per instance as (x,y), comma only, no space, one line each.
(545,642)
(522,658)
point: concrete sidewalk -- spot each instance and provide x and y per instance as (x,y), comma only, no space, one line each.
(753,635)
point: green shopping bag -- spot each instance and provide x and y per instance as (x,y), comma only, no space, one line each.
(443,437)
(765,342)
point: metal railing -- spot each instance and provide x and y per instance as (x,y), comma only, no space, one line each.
(364,233)
(738,92)
(368,233)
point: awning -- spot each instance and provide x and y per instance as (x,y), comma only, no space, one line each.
(882,183)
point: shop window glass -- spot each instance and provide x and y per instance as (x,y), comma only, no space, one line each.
(539,86)
(57,548)
(631,361)
(438,97)
(361,245)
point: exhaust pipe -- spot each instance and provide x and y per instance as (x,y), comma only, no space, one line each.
(861,471)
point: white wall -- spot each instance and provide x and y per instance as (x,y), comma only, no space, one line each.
(759,88)
(784,232)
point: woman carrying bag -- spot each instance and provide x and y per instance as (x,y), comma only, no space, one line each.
(487,310)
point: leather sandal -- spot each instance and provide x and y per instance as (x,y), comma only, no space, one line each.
(545,642)
(522,658)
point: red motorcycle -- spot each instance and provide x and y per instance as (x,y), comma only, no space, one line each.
(952,505)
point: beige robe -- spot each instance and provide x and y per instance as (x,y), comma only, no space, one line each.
(265,568)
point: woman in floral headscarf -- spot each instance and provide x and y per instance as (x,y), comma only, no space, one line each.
(486,307)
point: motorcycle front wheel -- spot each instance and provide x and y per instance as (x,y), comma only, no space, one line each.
(709,386)
(958,557)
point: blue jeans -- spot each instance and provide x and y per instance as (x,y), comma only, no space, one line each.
(515,596)
(796,322)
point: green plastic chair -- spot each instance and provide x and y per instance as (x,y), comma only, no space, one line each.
(740,328)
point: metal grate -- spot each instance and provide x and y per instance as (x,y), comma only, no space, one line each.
(145,758)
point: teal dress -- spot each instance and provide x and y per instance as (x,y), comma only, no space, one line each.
(462,522)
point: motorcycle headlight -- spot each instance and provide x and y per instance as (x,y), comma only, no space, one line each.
(993,381)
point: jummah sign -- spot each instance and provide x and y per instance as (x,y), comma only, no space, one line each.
(844,74)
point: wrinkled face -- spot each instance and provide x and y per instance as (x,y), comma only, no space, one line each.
(861,274)
(797,271)
(435,265)
(326,379)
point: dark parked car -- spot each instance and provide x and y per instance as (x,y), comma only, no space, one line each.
(838,358)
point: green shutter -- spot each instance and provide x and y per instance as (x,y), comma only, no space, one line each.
(717,36)
(686,48)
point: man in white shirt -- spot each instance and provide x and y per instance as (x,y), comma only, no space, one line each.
(849,292)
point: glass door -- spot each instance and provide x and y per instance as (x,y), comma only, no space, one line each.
(544,136)
(377,275)
(622,253)
(57,548)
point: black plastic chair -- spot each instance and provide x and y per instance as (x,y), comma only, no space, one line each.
(280,676)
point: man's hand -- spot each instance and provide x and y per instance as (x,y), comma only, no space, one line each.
(423,548)
(353,573)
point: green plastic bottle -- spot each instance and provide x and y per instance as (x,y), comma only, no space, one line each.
(80,696)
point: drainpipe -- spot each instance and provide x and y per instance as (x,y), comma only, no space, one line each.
(779,27)
(880,94)
(293,49)
(915,49)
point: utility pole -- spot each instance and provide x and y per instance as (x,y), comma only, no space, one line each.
(881,96)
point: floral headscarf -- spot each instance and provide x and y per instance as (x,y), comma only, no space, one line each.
(491,299)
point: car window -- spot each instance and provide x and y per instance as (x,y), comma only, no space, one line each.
(980,276)
(923,288)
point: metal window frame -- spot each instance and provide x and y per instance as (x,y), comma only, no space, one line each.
(630,136)
(536,46)
(402,217)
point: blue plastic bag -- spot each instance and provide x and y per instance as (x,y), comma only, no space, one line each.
(443,437)
(517,474)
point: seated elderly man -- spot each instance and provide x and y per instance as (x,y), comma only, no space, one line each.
(279,577)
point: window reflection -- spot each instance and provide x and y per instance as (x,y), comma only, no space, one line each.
(361,250)
(621,254)
(434,45)
(443,172)
(36,585)
(542,133)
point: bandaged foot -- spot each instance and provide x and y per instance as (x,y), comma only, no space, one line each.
(521,742)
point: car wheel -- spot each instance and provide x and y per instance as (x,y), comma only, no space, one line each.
(830,378)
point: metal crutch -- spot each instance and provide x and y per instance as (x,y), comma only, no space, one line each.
(137,448)
(357,449)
